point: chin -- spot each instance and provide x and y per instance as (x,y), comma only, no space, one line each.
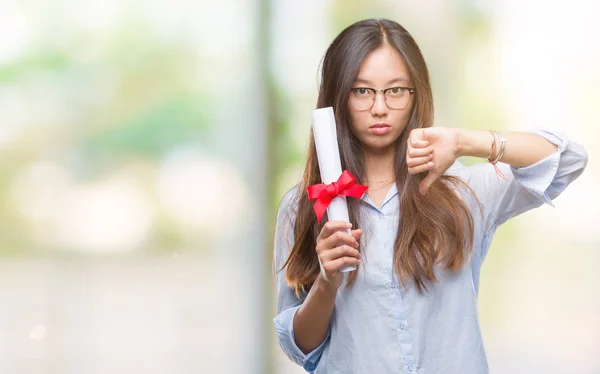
(381,144)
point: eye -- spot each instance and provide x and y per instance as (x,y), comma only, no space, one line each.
(362,91)
(397,91)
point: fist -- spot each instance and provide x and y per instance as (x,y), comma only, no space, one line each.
(432,150)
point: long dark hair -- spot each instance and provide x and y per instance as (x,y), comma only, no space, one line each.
(436,228)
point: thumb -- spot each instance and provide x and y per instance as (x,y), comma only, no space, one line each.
(427,182)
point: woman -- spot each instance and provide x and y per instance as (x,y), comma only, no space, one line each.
(411,305)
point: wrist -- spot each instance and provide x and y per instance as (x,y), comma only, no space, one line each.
(462,146)
(325,286)
(474,143)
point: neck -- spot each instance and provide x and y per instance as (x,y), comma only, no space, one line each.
(379,165)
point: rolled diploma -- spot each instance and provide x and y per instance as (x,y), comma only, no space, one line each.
(328,154)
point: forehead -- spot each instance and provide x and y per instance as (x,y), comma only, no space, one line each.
(383,65)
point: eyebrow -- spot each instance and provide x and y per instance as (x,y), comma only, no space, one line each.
(395,80)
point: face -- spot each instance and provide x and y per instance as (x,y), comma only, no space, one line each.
(379,127)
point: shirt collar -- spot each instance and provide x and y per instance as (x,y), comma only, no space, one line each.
(392,192)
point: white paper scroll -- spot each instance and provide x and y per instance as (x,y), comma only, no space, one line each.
(328,154)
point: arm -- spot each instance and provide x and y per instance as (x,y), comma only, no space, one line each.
(335,249)
(311,322)
(522,148)
(301,323)
(539,166)
(288,305)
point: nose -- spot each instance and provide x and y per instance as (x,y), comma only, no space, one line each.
(379,107)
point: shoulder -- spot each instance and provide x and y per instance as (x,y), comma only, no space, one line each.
(288,205)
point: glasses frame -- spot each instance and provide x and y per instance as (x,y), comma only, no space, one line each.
(410,90)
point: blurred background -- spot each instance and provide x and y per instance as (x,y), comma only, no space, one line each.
(145,145)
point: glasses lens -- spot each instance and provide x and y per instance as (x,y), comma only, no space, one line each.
(361,98)
(397,98)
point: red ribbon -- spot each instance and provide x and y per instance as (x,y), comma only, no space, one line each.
(323,193)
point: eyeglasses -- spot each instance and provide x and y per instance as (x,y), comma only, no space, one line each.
(363,98)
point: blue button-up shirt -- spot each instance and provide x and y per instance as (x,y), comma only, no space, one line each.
(378,325)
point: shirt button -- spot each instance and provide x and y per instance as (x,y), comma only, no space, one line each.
(410,368)
(402,326)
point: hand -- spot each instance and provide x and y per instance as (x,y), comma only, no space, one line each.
(337,249)
(432,150)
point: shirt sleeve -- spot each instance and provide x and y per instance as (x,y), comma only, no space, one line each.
(287,302)
(527,187)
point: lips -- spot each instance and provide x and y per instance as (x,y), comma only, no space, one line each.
(379,125)
(380,129)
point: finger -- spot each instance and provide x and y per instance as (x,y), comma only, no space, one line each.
(336,265)
(426,132)
(339,238)
(356,234)
(337,252)
(420,169)
(413,162)
(427,182)
(420,152)
(415,143)
(332,226)
(418,134)
(417,138)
